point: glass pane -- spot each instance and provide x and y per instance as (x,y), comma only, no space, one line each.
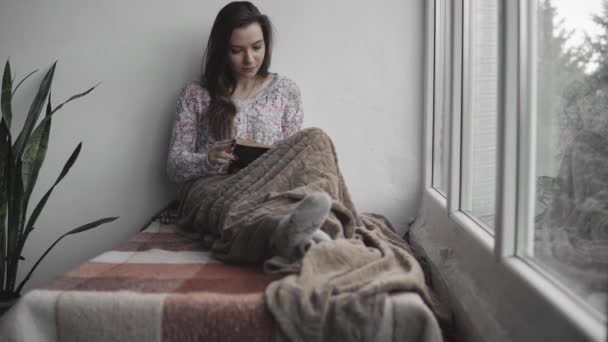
(440,150)
(441,108)
(480,114)
(571,209)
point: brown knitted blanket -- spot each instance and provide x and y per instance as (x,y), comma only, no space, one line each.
(340,289)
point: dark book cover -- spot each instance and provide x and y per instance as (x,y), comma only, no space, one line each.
(246,152)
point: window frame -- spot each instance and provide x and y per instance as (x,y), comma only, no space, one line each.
(498,259)
(463,130)
(439,84)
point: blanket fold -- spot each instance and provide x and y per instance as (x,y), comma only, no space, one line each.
(340,288)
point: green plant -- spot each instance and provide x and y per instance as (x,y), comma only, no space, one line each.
(20,162)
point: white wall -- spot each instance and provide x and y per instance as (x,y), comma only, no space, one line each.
(359,65)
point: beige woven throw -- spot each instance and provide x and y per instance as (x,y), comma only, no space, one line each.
(339,290)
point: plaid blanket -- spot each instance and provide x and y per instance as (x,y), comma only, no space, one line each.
(157,286)
(160,286)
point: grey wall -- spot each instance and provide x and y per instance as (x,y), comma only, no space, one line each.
(359,65)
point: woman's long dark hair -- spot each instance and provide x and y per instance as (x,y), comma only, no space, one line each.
(217,75)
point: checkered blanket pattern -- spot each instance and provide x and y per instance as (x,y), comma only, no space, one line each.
(157,286)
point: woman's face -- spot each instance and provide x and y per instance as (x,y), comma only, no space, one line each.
(246,51)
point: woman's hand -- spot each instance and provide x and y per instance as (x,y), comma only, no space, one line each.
(220,153)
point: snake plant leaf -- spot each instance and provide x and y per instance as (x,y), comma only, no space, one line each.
(34,112)
(48,117)
(6,160)
(23,80)
(5,164)
(80,229)
(6,196)
(34,154)
(2,249)
(5,98)
(16,218)
(15,214)
(38,209)
(91,225)
(74,97)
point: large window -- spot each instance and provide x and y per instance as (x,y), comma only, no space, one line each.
(521,86)
(570,59)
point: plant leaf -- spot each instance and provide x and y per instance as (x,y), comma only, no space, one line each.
(68,164)
(15,221)
(38,209)
(34,113)
(2,247)
(48,117)
(34,155)
(5,161)
(5,100)
(91,225)
(6,164)
(73,231)
(23,80)
(74,97)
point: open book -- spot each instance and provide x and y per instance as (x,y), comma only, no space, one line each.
(246,151)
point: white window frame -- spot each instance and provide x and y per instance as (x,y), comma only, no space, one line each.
(440,96)
(516,300)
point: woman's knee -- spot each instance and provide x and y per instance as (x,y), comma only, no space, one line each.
(315,133)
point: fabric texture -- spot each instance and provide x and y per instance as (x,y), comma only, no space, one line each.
(157,286)
(339,289)
(160,286)
(272,115)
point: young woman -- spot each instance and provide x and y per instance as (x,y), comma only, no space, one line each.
(238,97)
(291,197)
(281,209)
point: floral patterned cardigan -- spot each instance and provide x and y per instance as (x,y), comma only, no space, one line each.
(272,115)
